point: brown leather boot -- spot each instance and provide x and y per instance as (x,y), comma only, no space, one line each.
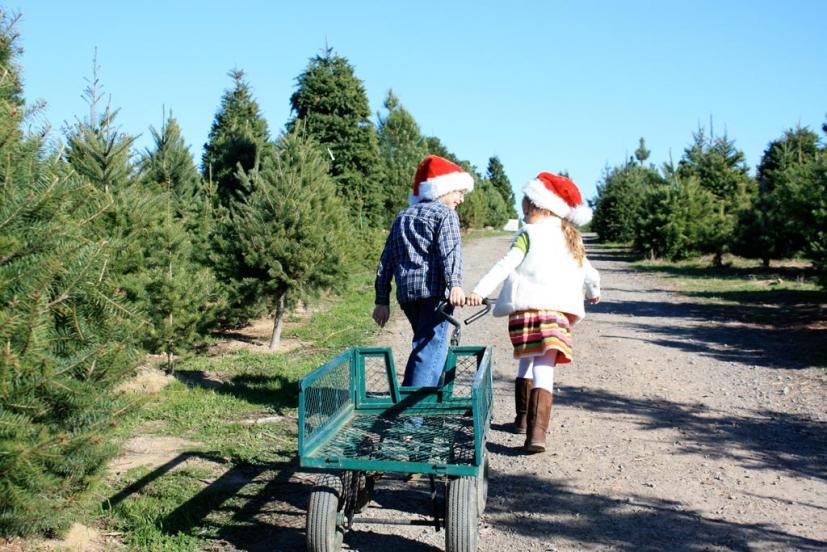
(539,412)
(522,388)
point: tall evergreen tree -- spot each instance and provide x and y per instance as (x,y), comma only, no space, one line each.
(497,212)
(238,139)
(793,176)
(11,88)
(641,153)
(401,149)
(66,337)
(175,292)
(814,197)
(619,198)
(168,166)
(238,136)
(169,161)
(292,228)
(495,173)
(675,220)
(474,211)
(720,168)
(97,149)
(775,227)
(331,103)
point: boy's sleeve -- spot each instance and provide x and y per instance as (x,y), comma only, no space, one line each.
(591,283)
(384,274)
(504,266)
(450,250)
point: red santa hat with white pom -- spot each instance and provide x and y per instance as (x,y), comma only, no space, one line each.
(559,195)
(436,177)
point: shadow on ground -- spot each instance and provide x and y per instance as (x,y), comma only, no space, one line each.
(262,508)
(545,509)
(772,328)
(763,440)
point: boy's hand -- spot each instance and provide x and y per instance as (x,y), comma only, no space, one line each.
(473,300)
(457,296)
(593,300)
(381,313)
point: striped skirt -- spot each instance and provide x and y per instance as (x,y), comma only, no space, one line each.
(535,332)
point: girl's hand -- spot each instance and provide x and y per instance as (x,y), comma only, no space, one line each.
(473,300)
(593,300)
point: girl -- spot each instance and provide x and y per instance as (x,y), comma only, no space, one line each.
(547,277)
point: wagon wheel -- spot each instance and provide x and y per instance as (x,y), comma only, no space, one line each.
(326,515)
(462,515)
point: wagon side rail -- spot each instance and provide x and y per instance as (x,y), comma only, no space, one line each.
(482,400)
(327,398)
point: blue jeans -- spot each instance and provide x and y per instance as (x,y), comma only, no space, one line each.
(429,346)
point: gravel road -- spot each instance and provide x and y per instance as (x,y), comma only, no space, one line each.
(680,426)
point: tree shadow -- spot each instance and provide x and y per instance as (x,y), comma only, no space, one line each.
(275,391)
(772,327)
(765,440)
(274,516)
(262,507)
(544,509)
(729,272)
(747,334)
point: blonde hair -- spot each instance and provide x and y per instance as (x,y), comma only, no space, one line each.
(574,241)
(573,238)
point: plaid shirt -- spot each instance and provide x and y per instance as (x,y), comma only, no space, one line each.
(423,252)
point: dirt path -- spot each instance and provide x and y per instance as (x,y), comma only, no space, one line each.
(677,428)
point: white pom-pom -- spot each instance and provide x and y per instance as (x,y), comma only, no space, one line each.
(580,215)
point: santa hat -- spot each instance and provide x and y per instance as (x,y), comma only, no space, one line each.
(436,177)
(559,195)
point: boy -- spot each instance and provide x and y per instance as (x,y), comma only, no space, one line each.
(423,253)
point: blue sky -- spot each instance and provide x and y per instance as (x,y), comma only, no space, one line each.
(546,86)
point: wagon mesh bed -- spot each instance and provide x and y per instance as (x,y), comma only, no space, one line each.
(353,414)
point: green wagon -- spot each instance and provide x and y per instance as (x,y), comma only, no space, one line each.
(356,423)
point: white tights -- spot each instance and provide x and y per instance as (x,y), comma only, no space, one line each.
(540,369)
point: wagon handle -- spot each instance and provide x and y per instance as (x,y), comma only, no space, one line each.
(489,304)
(453,321)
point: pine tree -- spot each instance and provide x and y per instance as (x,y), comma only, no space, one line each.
(237,137)
(97,149)
(169,165)
(474,211)
(170,162)
(641,153)
(814,197)
(775,227)
(619,198)
(66,342)
(720,168)
(12,104)
(496,211)
(292,228)
(675,220)
(332,106)
(496,175)
(401,149)
(177,295)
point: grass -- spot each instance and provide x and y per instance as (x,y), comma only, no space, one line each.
(783,294)
(239,409)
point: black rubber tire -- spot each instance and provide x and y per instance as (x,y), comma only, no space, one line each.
(461,516)
(482,488)
(323,531)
